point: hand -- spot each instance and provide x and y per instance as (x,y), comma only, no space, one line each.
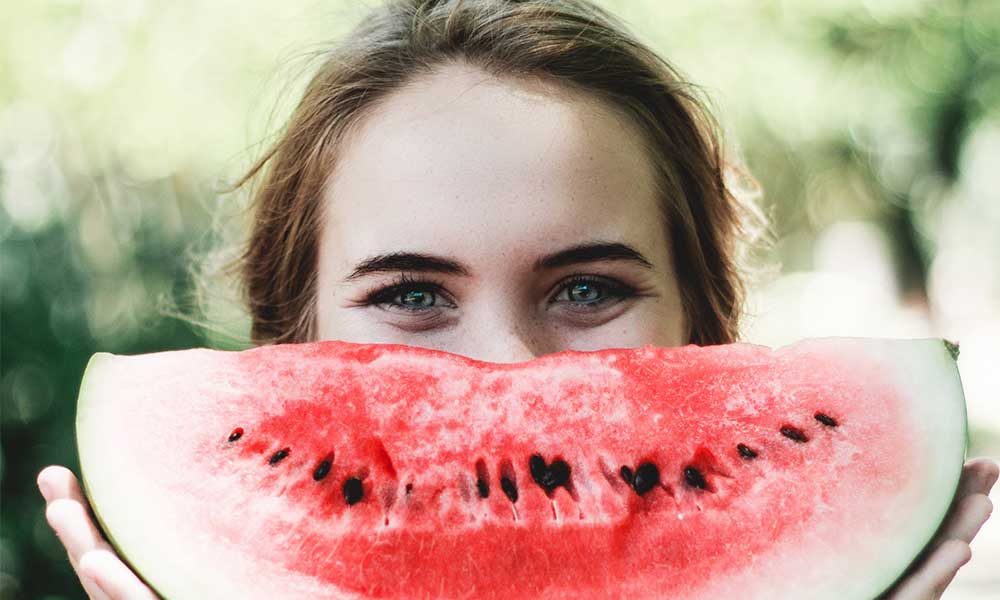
(949,549)
(104,576)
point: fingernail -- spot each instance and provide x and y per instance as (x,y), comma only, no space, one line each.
(93,584)
(43,487)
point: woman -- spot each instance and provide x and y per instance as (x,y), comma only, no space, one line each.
(500,179)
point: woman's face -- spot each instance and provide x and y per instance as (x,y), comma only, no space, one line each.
(497,219)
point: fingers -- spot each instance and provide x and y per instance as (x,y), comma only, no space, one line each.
(66,515)
(114,576)
(970,510)
(978,477)
(94,592)
(929,581)
(103,575)
(66,512)
(971,506)
(59,482)
(967,518)
(72,524)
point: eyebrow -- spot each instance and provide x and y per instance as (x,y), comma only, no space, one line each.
(429,263)
(407,261)
(592,252)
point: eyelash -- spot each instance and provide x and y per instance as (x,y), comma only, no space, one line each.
(403,283)
(613,291)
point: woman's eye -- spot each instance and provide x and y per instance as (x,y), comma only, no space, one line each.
(409,296)
(591,293)
(413,299)
(417,299)
(584,292)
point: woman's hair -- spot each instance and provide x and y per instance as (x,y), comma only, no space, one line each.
(573,42)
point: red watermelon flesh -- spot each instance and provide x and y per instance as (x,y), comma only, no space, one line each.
(339,470)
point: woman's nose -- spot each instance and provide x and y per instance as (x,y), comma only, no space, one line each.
(506,344)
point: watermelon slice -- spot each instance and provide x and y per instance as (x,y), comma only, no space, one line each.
(340,470)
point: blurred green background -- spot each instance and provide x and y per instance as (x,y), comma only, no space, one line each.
(873,127)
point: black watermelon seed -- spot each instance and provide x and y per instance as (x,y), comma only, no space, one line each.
(409,489)
(278,456)
(483,488)
(353,491)
(793,433)
(694,478)
(482,479)
(322,470)
(559,473)
(626,474)
(236,434)
(746,451)
(509,488)
(646,478)
(539,470)
(549,477)
(826,419)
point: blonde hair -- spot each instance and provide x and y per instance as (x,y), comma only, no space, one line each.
(710,223)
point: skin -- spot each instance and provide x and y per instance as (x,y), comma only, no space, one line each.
(449,167)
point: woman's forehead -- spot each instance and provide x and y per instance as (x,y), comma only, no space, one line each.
(469,162)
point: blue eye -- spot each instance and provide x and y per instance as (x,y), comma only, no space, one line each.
(585,292)
(417,299)
(588,293)
(408,295)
